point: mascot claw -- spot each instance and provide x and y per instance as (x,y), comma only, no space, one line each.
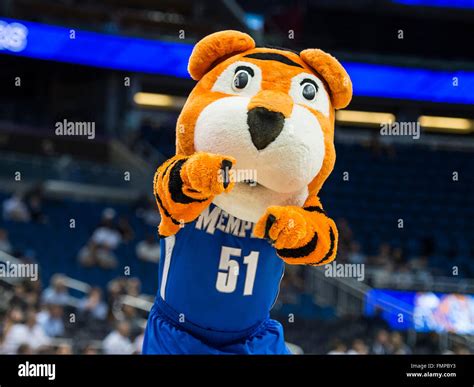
(185,185)
(299,235)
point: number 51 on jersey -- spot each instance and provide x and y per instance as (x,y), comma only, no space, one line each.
(229,270)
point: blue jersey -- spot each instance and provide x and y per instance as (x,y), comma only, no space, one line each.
(216,276)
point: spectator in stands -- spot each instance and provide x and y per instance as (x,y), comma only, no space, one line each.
(115,289)
(292,285)
(18,298)
(148,249)
(345,239)
(359,347)
(13,316)
(15,209)
(24,296)
(398,266)
(30,333)
(94,254)
(24,349)
(383,256)
(397,256)
(133,287)
(57,292)
(376,322)
(355,255)
(34,202)
(398,344)
(130,314)
(428,343)
(106,234)
(52,320)
(89,349)
(64,349)
(5,244)
(420,266)
(35,208)
(403,275)
(125,230)
(337,347)
(32,293)
(461,349)
(146,209)
(118,341)
(381,345)
(93,305)
(105,239)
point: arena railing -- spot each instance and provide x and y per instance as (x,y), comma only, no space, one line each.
(411,281)
(8,261)
(347,297)
(140,303)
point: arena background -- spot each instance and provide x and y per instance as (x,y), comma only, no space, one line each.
(79,207)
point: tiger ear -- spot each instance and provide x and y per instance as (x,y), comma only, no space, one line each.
(334,74)
(215,46)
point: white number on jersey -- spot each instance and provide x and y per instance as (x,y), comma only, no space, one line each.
(229,270)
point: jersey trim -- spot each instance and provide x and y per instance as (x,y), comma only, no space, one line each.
(169,246)
(210,336)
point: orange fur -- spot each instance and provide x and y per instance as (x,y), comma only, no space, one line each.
(214,47)
(275,101)
(295,227)
(289,228)
(276,83)
(333,73)
(202,179)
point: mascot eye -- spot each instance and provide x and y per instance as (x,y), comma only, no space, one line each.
(242,78)
(309,90)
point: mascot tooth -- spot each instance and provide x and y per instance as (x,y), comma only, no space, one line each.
(254,145)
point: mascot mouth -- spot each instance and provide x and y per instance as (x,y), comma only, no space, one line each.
(264,185)
(259,187)
(249,199)
(250,183)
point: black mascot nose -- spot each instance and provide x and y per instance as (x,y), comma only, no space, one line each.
(264,126)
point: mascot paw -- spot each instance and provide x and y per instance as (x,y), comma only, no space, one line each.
(298,235)
(282,226)
(209,174)
(185,185)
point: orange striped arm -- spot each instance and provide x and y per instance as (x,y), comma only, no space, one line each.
(301,235)
(185,185)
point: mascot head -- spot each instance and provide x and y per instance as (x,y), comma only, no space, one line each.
(272,110)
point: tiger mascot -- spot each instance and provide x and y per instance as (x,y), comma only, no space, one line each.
(239,199)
